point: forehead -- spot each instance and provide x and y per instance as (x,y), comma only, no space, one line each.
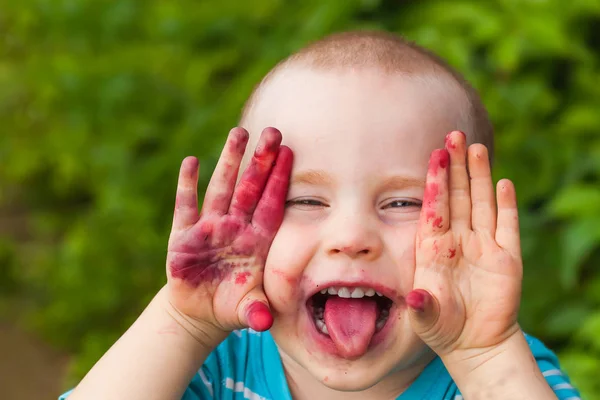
(353,117)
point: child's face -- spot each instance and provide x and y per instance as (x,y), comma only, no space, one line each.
(361,143)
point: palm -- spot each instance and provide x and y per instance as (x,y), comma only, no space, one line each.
(220,254)
(468,254)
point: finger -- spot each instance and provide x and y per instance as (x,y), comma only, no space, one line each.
(434,213)
(270,209)
(220,189)
(186,199)
(255,312)
(249,190)
(424,310)
(483,214)
(460,195)
(507,231)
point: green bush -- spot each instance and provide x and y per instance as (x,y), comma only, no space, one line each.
(100,101)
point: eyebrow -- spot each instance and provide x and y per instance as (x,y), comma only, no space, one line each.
(312,177)
(320,178)
(400,182)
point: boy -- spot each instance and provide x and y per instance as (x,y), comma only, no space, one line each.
(378,283)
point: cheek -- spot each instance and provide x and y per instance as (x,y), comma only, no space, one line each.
(288,256)
(402,249)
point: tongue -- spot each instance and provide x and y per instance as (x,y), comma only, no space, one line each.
(351,324)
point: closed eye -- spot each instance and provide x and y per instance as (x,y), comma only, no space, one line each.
(305,204)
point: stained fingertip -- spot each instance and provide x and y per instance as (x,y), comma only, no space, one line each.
(417,300)
(424,309)
(238,138)
(455,140)
(259,317)
(285,156)
(188,173)
(238,133)
(189,165)
(269,142)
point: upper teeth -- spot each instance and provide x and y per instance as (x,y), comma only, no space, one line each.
(355,293)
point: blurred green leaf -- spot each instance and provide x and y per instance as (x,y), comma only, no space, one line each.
(580,238)
(564,321)
(577,201)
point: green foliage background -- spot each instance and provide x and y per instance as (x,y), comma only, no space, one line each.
(100,100)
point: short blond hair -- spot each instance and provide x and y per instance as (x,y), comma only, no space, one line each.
(392,54)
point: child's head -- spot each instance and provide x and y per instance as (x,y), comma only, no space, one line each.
(362,113)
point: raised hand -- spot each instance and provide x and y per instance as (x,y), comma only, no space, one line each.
(216,258)
(468,260)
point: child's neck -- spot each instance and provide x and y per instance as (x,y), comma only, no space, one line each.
(304,386)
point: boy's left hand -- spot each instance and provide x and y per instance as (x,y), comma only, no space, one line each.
(468,274)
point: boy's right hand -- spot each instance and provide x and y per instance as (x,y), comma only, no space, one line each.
(216,258)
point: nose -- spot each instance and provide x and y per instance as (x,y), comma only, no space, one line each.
(353,235)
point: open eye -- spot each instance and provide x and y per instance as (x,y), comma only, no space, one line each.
(402,203)
(305,203)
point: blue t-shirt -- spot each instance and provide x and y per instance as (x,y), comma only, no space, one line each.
(247,365)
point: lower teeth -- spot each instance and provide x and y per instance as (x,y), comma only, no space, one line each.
(322,327)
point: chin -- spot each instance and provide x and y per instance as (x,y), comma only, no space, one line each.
(401,357)
(356,378)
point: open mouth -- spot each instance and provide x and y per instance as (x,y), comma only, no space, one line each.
(360,295)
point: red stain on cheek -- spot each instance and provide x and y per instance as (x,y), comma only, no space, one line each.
(292,281)
(241,278)
(259,317)
(452,253)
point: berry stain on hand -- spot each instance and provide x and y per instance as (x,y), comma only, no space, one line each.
(217,252)
(221,250)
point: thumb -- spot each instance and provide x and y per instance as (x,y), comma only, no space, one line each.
(255,312)
(423,310)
